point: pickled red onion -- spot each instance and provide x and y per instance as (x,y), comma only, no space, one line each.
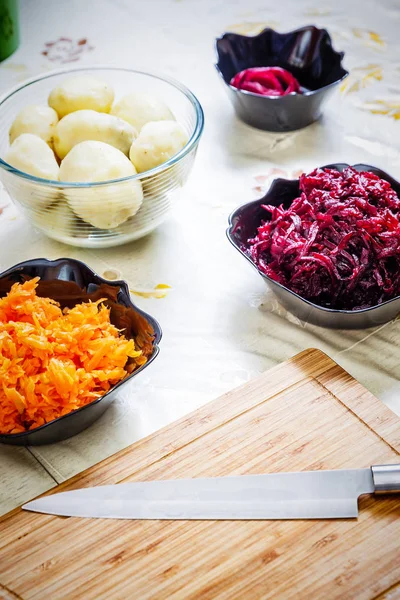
(266,81)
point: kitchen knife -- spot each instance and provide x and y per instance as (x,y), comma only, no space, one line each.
(303,495)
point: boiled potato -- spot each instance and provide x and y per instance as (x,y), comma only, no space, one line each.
(84,125)
(138,109)
(156,143)
(79,93)
(30,154)
(36,119)
(106,206)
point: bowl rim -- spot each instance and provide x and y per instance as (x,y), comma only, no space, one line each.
(270,29)
(189,146)
(115,282)
(276,183)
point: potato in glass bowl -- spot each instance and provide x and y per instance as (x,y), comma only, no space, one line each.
(127,142)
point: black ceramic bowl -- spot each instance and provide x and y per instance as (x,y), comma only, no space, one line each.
(70,282)
(307,53)
(243,224)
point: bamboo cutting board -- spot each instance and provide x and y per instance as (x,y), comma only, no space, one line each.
(306,413)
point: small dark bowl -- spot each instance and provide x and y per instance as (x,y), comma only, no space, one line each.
(307,53)
(243,224)
(70,282)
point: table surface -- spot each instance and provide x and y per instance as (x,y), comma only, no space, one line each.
(222,326)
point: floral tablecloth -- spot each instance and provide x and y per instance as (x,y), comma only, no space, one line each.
(222,326)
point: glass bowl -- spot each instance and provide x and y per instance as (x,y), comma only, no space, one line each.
(307,53)
(69,282)
(243,224)
(45,203)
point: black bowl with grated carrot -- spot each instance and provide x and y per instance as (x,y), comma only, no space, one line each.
(68,341)
(328,244)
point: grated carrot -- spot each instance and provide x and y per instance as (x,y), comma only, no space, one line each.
(53,361)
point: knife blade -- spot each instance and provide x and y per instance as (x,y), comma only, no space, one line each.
(301,495)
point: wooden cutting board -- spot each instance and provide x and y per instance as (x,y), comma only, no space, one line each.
(306,413)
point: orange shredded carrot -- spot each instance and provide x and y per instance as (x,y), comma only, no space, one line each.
(54,361)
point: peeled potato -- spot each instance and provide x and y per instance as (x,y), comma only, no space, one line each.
(84,125)
(106,206)
(30,154)
(156,143)
(36,119)
(138,109)
(80,93)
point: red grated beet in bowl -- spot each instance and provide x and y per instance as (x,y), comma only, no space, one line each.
(338,244)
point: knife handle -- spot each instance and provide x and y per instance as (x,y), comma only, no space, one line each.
(386,478)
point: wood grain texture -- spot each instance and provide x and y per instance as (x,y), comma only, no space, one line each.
(391,594)
(306,413)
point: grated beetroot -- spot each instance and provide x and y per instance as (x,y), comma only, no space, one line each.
(266,81)
(338,244)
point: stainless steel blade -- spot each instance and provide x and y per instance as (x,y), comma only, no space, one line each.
(303,495)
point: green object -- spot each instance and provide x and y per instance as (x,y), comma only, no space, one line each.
(9,28)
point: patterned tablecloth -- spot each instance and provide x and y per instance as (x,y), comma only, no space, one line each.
(221,324)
